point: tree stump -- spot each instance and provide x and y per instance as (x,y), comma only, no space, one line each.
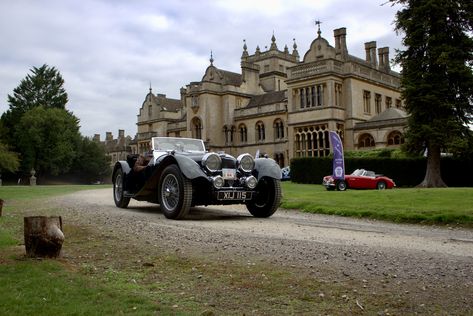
(43,236)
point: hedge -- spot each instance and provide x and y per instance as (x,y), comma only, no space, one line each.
(405,172)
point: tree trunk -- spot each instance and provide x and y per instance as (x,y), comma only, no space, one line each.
(43,236)
(1,206)
(433,178)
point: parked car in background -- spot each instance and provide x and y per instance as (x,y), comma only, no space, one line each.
(179,173)
(359,179)
(286,173)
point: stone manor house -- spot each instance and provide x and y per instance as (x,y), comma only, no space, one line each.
(281,104)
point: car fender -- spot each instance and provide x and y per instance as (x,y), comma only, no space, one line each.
(123,165)
(267,167)
(189,168)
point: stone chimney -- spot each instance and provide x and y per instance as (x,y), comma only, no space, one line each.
(121,137)
(183,109)
(383,54)
(341,42)
(108,136)
(370,48)
(96,138)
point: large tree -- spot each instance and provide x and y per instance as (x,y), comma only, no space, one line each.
(436,76)
(43,87)
(8,160)
(48,139)
(45,134)
(92,164)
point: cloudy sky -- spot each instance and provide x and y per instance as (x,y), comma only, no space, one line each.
(109,51)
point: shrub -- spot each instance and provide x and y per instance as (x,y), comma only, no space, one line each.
(405,171)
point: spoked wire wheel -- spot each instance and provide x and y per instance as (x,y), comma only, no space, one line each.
(175,193)
(118,190)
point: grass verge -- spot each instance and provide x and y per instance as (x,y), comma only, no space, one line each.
(24,192)
(105,273)
(427,206)
(32,287)
(46,287)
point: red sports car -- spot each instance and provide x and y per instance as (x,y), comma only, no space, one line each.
(359,179)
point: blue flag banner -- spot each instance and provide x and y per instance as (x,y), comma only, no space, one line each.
(338,171)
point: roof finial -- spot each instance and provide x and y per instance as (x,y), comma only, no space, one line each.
(318,22)
(295,53)
(245,52)
(150,89)
(273,42)
(211,58)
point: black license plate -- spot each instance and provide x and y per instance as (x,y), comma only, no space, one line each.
(234,195)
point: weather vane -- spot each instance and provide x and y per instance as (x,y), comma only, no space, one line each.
(318,22)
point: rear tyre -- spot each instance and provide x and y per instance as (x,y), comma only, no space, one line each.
(268,198)
(381,185)
(341,185)
(175,193)
(118,190)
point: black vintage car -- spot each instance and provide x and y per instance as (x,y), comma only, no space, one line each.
(181,174)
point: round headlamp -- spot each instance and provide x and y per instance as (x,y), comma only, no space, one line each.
(212,162)
(245,162)
(251,182)
(218,182)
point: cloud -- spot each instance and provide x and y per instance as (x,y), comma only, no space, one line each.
(155,22)
(109,51)
(270,8)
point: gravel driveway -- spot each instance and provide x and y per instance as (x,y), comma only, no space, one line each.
(411,258)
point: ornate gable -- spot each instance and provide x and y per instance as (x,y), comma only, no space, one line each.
(213,74)
(319,49)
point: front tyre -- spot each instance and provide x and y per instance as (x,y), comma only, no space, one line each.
(268,198)
(175,193)
(381,185)
(118,191)
(341,185)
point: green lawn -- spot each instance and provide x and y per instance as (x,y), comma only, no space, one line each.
(99,278)
(433,206)
(51,287)
(21,192)
(30,287)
